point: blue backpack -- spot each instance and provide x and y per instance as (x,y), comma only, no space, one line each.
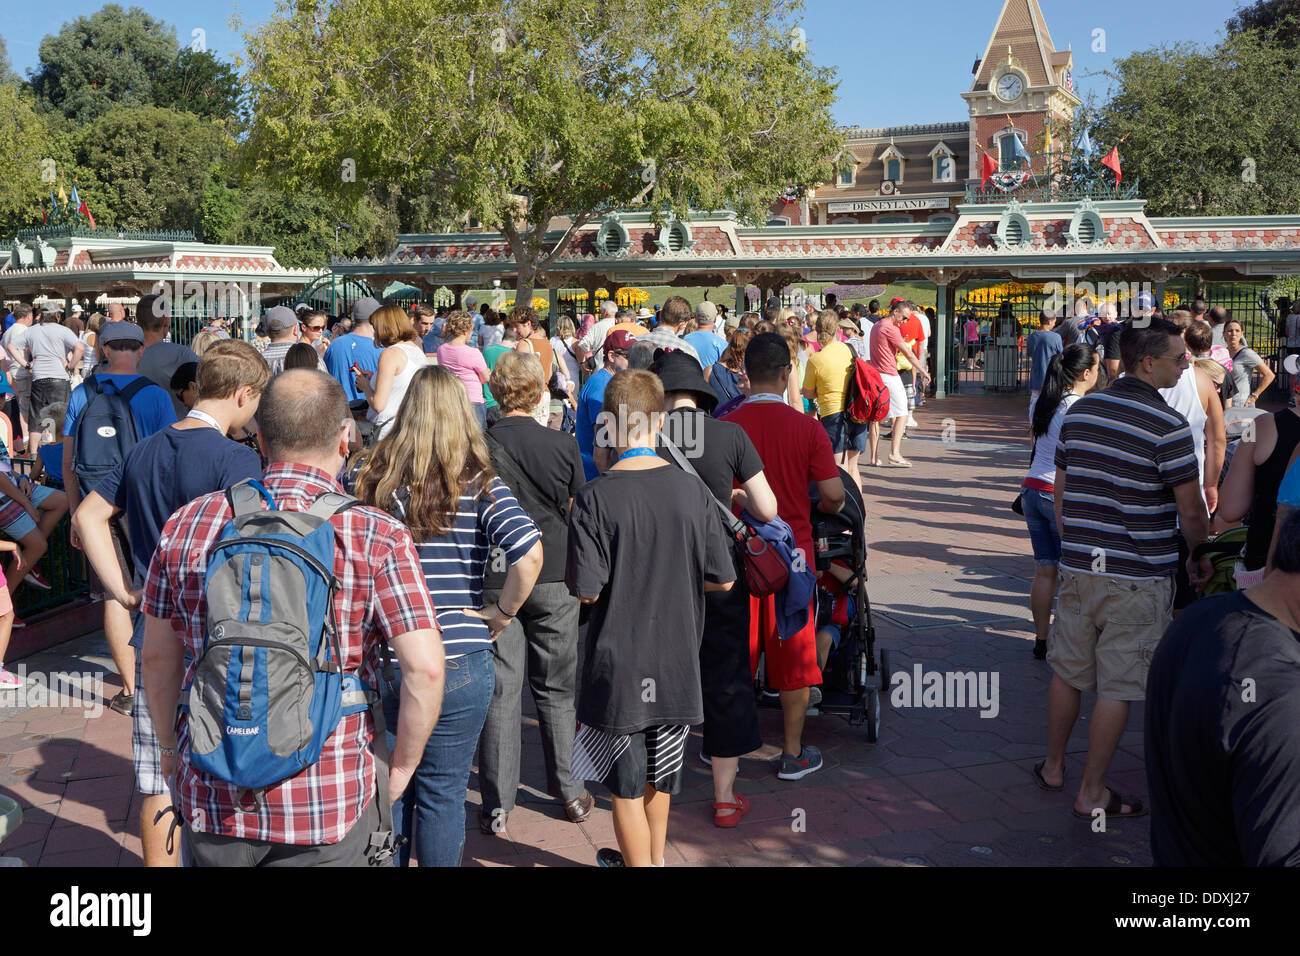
(269,687)
(106,430)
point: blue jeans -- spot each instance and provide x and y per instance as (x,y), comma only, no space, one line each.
(480,412)
(1040,516)
(435,798)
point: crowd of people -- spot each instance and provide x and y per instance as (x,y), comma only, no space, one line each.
(492,489)
(1134,469)
(505,486)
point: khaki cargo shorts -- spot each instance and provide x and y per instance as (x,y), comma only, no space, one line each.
(1106,630)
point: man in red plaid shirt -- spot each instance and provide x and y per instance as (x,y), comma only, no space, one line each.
(325,814)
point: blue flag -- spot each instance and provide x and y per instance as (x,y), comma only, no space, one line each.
(1018,149)
(1083,143)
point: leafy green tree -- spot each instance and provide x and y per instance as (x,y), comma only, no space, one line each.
(1281,17)
(7,75)
(107,59)
(1209,131)
(25,136)
(152,165)
(197,82)
(523,111)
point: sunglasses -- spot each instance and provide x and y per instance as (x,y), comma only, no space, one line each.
(315,328)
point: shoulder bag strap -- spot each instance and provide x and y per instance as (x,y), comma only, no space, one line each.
(734,524)
(508,459)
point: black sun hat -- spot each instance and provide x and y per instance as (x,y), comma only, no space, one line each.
(681,373)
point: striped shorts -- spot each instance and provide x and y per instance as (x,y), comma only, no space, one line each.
(627,763)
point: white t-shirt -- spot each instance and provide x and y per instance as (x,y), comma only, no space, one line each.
(1043,467)
(595,337)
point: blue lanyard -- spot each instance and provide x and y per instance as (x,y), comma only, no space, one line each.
(635,452)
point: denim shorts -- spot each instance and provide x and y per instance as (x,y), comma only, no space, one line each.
(1040,515)
(15,520)
(844,434)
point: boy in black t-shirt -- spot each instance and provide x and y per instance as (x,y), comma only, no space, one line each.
(645,544)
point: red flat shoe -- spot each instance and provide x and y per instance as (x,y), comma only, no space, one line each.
(739,808)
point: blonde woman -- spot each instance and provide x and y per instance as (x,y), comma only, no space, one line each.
(432,472)
(90,339)
(204,341)
(825,382)
(400,359)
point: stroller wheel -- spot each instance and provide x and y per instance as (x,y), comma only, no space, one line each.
(873,715)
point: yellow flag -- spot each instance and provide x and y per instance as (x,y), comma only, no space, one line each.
(63,196)
(1047,139)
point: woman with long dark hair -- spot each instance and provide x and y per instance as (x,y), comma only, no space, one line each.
(728,372)
(1070,375)
(433,472)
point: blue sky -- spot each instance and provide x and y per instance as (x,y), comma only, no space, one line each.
(899,62)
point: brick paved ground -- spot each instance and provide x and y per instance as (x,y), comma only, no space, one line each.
(950,567)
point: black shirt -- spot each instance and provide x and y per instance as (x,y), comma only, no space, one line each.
(1223,771)
(720,452)
(544,471)
(644,543)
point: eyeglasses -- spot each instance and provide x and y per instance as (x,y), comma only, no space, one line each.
(315,328)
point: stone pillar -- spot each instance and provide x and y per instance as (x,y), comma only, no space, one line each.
(942,333)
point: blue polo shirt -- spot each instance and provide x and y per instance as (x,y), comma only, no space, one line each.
(343,353)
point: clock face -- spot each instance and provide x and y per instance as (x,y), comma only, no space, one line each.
(1010,88)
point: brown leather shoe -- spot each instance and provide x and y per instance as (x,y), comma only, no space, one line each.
(579,808)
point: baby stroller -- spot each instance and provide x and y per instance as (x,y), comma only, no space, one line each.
(853,681)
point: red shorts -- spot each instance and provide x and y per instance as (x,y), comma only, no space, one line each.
(792,663)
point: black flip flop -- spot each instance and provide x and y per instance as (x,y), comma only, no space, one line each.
(1043,784)
(1116,801)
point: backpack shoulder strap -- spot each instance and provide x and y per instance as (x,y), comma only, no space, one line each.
(93,385)
(134,389)
(246,498)
(330,504)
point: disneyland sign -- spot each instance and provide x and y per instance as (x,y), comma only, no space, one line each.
(886,205)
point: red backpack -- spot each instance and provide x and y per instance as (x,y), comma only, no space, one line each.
(866,399)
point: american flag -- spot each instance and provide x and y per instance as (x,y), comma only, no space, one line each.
(1069,81)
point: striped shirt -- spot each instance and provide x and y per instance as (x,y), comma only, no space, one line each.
(490,527)
(1121,453)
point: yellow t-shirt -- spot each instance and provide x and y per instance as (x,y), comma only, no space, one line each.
(828,373)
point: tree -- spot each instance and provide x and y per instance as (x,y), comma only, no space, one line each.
(152,165)
(1280,17)
(105,60)
(1209,131)
(7,75)
(24,134)
(197,82)
(521,111)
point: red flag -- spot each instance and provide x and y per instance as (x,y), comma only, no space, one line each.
(85,211)
(1112,162)
(45,217)
(988,167)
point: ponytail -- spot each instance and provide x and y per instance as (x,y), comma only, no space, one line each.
(1064,370)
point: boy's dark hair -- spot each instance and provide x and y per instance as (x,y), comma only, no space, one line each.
(1199,337)
(874,305)
(1138,342)
(765,356)
(152,314)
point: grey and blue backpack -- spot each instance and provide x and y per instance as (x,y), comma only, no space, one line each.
(269,686)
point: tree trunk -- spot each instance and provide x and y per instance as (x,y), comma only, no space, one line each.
(527,276)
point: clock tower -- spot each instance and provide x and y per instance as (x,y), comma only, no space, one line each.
(1021,84)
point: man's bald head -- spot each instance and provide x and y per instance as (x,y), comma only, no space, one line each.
(300,415)
(115,312)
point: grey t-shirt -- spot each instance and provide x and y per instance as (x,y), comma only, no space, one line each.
(1237,385)
(14,341)
(49,344)
(159,363)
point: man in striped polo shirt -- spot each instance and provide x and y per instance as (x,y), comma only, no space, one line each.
(1126,481)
